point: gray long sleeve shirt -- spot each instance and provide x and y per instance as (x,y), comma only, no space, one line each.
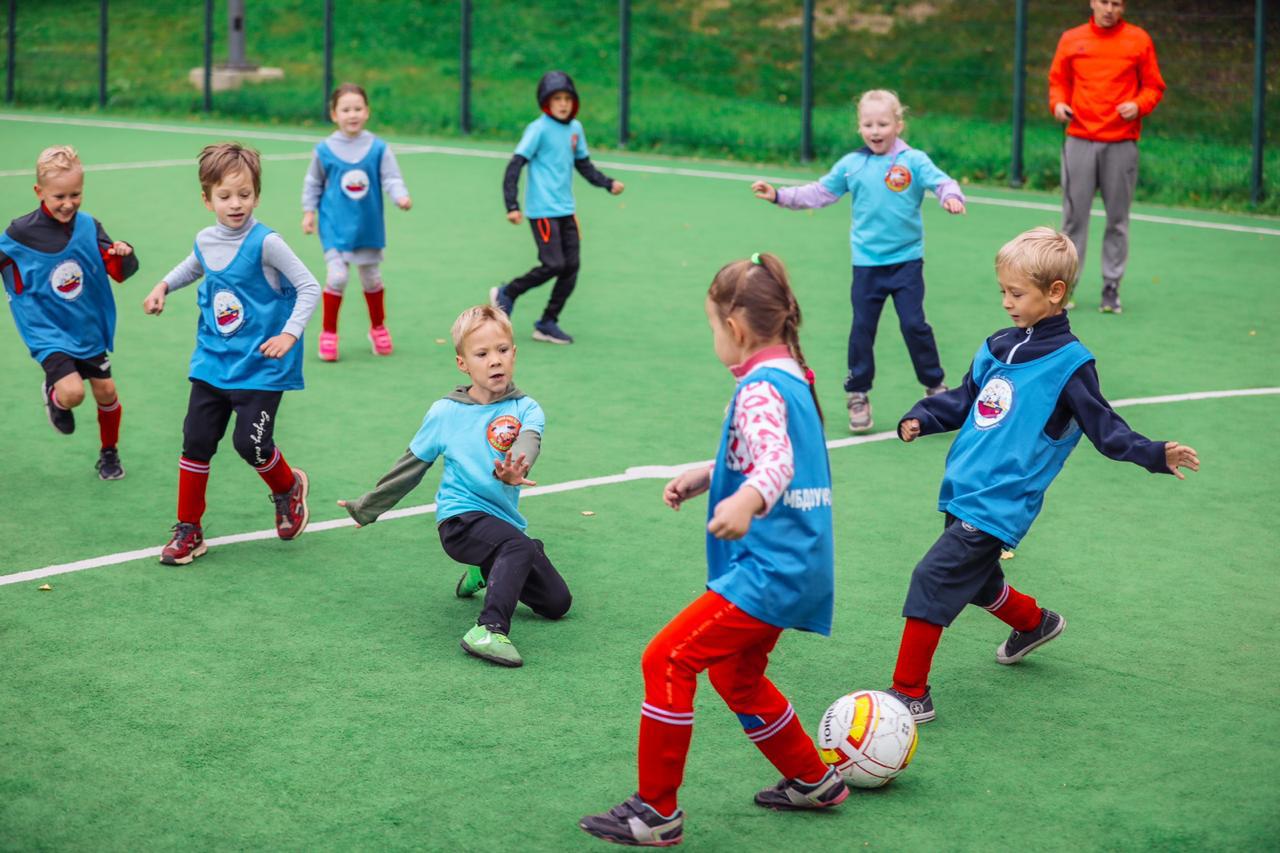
(352,149)
(219,245)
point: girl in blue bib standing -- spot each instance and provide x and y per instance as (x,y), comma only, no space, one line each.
(255,300)
(770,566)
(886,179)
(345,182)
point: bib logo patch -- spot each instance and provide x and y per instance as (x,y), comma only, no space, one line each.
(228,313)
(994,403)
(355,183)
(898,178)
(68,280)
(502,432)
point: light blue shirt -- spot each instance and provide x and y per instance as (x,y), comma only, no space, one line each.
(886,191)
(551,149)
(471,438)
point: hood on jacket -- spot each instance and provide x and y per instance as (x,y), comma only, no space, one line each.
(556,81)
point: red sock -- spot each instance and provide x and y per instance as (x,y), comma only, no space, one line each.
(915,657)
(376,314)
(664,744)
(787,746)
(332,302)
(109,423)
(193,476)
(1016,609)
(276,473)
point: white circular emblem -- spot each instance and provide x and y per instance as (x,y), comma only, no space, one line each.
(994,402)
(228,313)
(355,183)
(68,280)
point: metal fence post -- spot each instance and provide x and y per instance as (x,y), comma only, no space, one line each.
(1256,189)
(208,55)
(464,71)
(328,58)
(102,54)
(624,72)
(1016,176)
(806,87)
(13,43)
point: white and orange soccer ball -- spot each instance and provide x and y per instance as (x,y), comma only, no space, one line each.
(868,736)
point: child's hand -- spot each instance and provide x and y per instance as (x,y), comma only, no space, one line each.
(279,345)
(764,190)
(514,217)
(1128,110)
(343,504)
(404,203)
(1063,113)
(512,471)
(309,222)
(953,205)
(688,484)
(616,188)
(1180,456)
(909,430)
(121,249)
(154,303)
(733,515)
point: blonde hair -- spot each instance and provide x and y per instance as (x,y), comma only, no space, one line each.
(58,158)
(225,158)
(473,318)
(1042,256)
(885,96)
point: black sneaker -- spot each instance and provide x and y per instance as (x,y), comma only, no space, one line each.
(549,331)
(793,795)
(108,465)
(63,420)
(1110,303)
(1022,643)
(921,708)
(634,823)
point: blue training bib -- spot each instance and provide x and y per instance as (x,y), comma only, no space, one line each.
(351,205)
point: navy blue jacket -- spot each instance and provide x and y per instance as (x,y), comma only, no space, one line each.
(1081,399)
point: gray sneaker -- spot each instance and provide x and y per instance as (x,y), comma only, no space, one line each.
(859,411)
(1022,643)
(633,822)
(921,708)
(793,795)
(1110,299)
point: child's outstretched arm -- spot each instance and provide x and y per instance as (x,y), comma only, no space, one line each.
(686,485)
(804,197)
(511,188)
(403,478)
(945,187)
(277,255)
(595,177)
(180,276)
(1112,436)
(940,413)
(312,190)
(392,180)
(1180,456)
(117,256)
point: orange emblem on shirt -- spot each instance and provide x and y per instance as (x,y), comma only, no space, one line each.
(898,178)
(502,432)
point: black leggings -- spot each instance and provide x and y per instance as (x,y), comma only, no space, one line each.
(558,243)
(208,412)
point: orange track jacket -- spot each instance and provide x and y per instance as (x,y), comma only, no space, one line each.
(1096,69)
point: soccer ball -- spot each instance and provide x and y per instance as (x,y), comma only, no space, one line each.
(868,736)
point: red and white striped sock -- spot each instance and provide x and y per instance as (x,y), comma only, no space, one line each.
(276,473)
(915,657)
(329,318)
(1016,609)
(109,424)
(664,745)
(193,477)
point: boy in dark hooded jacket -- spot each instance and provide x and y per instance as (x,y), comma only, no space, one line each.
(551,144)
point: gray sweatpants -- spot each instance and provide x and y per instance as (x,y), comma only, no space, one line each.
(1111,167)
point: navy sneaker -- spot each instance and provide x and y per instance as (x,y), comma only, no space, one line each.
(1022,643)
(634,822)
(793,795)
(498,299)
(921,708)
(108,465)
(547,330)
(63,420)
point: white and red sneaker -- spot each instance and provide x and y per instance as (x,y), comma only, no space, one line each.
(328,346)
(381,340)
(187,544)
(291,507)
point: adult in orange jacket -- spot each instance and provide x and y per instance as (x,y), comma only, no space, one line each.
(1103,80)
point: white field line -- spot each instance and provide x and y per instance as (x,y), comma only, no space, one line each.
(643,472)
(609,164)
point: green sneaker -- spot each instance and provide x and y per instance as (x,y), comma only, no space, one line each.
(470,583)
(491,646)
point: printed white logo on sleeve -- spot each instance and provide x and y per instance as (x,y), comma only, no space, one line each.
(355,183)
(68,280)
(228,312)
(994,402)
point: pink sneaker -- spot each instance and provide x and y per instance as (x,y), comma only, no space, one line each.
(328,346)
(381,340)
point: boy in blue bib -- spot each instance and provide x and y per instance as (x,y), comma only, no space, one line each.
(553,145)
(1029,395)
(255,300)
(489,434)
(55,263)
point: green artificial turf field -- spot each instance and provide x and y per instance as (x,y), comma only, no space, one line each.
(312,694)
